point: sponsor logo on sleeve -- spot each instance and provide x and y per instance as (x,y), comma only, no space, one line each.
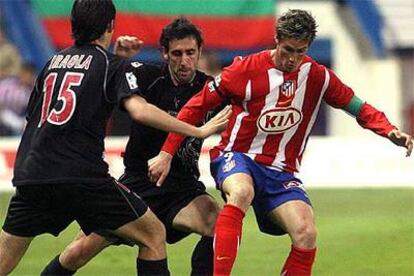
(136,64)
(211,87)
(217,80)
(132,80)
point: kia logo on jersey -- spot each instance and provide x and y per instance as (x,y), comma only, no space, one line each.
(279,119)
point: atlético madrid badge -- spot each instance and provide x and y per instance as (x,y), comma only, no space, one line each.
(288,88)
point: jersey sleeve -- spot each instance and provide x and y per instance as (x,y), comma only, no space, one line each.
(371,118)
(340,95)
(142,75)
(337,94)
(126,82)
(194,111)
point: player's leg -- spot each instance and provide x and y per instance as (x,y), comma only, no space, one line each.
(12,249)
(283,206)
(296,217)
(33,210)
(149,233)
(84,247)
(79,252)
(117,210)
(239,192)
(199,216)
(232,174)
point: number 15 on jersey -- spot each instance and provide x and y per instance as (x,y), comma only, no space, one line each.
(59,116)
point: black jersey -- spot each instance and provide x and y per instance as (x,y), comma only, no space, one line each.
(67,114)
(144,143)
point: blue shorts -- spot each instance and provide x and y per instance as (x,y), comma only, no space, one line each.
(272,188)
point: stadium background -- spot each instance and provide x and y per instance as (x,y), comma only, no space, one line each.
(369,44)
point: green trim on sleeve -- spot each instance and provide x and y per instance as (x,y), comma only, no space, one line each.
(354,106)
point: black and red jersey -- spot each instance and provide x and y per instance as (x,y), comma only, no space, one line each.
(156,86)
(69,107)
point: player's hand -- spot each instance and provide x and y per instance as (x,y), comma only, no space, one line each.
(401,139)
(127,46)
(159,167)
(216,124)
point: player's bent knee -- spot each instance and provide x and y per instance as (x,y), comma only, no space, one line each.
(158,240)
(305,235)
(241,195)
(157,237)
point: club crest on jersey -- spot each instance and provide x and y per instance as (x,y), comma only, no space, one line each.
(288,88)
(292,184)
(278,120)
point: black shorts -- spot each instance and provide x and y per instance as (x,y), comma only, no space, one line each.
(165,205)
(50,208)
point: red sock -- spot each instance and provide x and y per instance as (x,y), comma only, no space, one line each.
(299,262)
(227,238)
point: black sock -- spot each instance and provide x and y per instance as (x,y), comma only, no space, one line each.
(152,268)
(55,268)
(202,258)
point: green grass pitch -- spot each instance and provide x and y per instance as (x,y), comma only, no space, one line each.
(361,232)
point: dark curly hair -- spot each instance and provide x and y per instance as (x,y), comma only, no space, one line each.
(178,29)
(90,19)
(296,24)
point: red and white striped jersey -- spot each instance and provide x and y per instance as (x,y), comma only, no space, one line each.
(273,111)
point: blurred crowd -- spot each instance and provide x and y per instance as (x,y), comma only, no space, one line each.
(16,82)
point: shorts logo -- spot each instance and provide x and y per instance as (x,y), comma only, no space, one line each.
(229,166)
(292,184)
(279,120)
(132,80)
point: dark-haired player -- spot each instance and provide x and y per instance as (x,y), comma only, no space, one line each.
(275,96)
(182,203)
(60,175)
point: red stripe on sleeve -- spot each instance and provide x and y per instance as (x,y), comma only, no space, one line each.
(371,118)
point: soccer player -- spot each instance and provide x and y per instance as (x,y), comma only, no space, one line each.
(275,95)
(182,203)
(60,175)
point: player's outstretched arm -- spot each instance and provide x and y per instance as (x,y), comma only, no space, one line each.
(127,46)
(148,114)
(401,139)
(159,167)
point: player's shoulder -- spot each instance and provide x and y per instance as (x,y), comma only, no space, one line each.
(252,62)
(83,58)
(316,67)
(202,77)
(146,70)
